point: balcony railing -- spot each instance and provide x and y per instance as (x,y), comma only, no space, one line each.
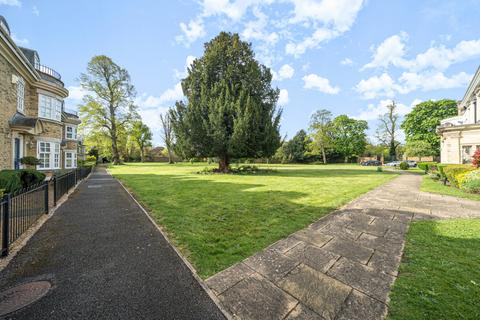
(453,121)
(48,71)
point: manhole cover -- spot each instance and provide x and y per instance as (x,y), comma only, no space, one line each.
(20,296)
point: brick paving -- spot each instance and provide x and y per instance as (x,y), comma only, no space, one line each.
(340,267)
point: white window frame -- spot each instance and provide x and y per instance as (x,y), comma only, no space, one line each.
(49,107)
(20,95)
(50,151)
(73,133)
(70,155)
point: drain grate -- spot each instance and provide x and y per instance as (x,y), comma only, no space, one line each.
(20,296)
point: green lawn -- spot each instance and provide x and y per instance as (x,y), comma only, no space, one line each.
(429,185)
(217,220)
(440,272)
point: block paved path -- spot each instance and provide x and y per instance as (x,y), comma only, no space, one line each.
(106,260)
(340,267)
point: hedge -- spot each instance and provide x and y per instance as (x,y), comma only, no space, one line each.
(13,180)
(427,166)
(456,173)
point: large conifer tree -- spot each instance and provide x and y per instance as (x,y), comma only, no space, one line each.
(230,111)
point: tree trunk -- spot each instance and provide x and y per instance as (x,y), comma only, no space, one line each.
(324,156)
(170,156)
(224,164)
(142,154)
(392,152)
(113,134)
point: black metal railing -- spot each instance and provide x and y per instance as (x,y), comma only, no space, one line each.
(20,210)
(63,183)
(49,71)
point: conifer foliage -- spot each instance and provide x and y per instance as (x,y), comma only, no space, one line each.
(231,108)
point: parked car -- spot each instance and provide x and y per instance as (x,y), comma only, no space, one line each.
(412,164)
(371,163)
(393,164)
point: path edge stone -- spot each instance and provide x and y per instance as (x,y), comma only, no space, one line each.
(200,281)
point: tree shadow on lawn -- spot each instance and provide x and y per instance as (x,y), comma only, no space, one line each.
(320,172)
(439,274)
(219,223)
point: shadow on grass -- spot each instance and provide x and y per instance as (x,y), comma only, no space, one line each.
(439,273)
(218,223)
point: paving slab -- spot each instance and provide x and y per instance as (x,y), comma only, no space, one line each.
(228,277)
(363,278)
(301,312)
(359,306)
(314,257)
(319,292)
(349,249)
(271,264)
(257,298)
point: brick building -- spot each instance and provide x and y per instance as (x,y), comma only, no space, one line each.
(33,121)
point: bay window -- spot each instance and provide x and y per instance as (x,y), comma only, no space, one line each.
(49,155)
(49,108)
(70,159)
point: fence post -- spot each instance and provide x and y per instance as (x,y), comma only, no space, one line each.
(54,191)
(6,226)
(46,197)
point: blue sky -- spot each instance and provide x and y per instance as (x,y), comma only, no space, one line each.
(349,56)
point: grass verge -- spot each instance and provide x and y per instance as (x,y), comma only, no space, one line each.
(439,277)
(430,185)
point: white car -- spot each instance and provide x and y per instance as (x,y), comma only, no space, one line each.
(393,164)
(411,163)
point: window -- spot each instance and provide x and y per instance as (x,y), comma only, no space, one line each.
(49,155)
(466,154)
(50,108)
(70,159)
(71,132)
(20,95)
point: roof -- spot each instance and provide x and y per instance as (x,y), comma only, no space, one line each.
(4,23)
(475,83)
(19,120)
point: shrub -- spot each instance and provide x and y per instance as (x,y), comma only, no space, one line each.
(379,169)
(476,159)
(14,180)
(434,176)
(453,173)
(91,158)
(29,161)
(427,166)
(471,181)
(404,165)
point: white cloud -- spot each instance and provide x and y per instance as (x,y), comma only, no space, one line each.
(20,41)
(168,96)
(385,86)
(283,97)
(346,62)
(35,11)
(285,72)
(372,112)
(376,86)
(255,29)
(191,32)
(13,3)
(188,64)
(411,81)
(313,81)
(151,117)
(332,18)
(392,51)
(76,93)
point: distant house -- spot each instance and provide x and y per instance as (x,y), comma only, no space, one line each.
(460,135)
(33,120)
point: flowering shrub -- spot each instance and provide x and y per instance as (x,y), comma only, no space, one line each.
(476,158)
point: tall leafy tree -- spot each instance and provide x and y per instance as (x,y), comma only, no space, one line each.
(295,149)
(387,130)
(419,148)
(108,105)
(421,123)
(321,126)
(167,134)
(142,135)
(349,136)
(231,109)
